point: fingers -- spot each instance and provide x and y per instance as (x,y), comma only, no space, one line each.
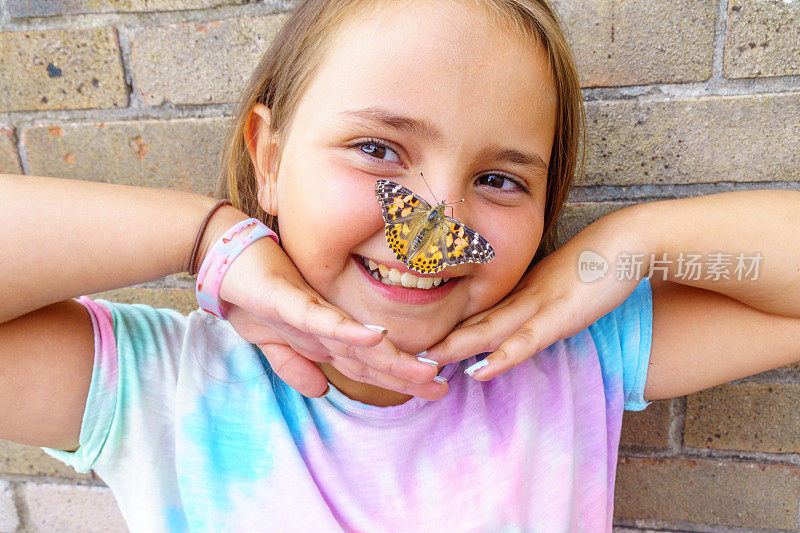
(303,343)
(484,335)
(384,358)
(536,334)
(257,331)
(310,314)
(355,370)
(298,372)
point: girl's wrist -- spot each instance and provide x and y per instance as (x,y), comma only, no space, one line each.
(220,257)
(221,221)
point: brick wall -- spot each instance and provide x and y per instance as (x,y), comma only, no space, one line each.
(684,98)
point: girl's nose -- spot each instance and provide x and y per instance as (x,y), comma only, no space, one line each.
(439,189)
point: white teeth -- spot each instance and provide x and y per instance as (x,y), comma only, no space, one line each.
(424,283)
(392,276)
(408,280)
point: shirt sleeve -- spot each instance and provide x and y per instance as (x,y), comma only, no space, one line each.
(623,338)
(136,357)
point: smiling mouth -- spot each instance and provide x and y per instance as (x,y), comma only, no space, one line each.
(393,277)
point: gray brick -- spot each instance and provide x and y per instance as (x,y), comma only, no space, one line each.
(61,69)
(9,161)
(747,416)
(693,140)
(648,428)
(640,42)
(708,492)
(179,154)
(32,461)
(9,519)
(37,8)
(762,39)
(199,63)
(71,508)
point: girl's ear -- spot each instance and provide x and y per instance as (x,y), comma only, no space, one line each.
(262,147)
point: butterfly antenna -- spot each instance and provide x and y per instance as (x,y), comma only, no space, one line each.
(429,188)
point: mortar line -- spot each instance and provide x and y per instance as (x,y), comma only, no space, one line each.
(23,513)
(709,454)
(22,151)
(647,191)
(677,424)
(720,37)
(134,94)
(681,526)
(4,14)
(125,114)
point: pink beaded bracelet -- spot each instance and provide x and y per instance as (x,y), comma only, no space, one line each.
(219,258)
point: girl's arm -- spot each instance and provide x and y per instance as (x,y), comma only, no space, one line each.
(762,227)
(705,331)
(62,238)
(718,322)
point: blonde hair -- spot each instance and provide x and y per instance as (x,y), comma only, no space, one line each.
(297,51)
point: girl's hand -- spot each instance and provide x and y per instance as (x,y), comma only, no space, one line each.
(550,303)
(269,304)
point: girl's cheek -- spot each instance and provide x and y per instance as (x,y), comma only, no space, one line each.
(331,205)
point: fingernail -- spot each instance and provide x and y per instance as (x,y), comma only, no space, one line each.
(440,379)
(423,353)
(327,389)
(474,368)
(380,329)
(427,361)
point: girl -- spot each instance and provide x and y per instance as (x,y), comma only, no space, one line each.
(194,422)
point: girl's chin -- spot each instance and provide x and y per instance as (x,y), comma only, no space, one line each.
(415,336)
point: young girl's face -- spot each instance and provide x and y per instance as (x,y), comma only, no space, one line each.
(429,87)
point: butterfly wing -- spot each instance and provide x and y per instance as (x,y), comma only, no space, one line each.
(463,244)
(404,214)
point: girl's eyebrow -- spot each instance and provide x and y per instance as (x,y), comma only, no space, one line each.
(428,131)
(420,127)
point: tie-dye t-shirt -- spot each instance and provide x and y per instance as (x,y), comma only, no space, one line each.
(193,432)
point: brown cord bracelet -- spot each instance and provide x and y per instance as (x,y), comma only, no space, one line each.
(192,270)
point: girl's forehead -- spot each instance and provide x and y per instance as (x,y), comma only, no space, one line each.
(460,69)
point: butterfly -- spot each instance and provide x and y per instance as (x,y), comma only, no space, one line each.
(422,237)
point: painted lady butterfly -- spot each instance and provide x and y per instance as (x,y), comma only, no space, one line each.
(422,237)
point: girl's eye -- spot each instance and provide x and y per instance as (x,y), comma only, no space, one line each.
(499,182)
(378,150)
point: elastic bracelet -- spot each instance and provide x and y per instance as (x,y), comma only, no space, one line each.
(200,233)
(219,259)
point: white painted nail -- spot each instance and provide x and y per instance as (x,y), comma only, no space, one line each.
(423,353)
(474,368)
(427,361)
(440,379)
(379,329)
